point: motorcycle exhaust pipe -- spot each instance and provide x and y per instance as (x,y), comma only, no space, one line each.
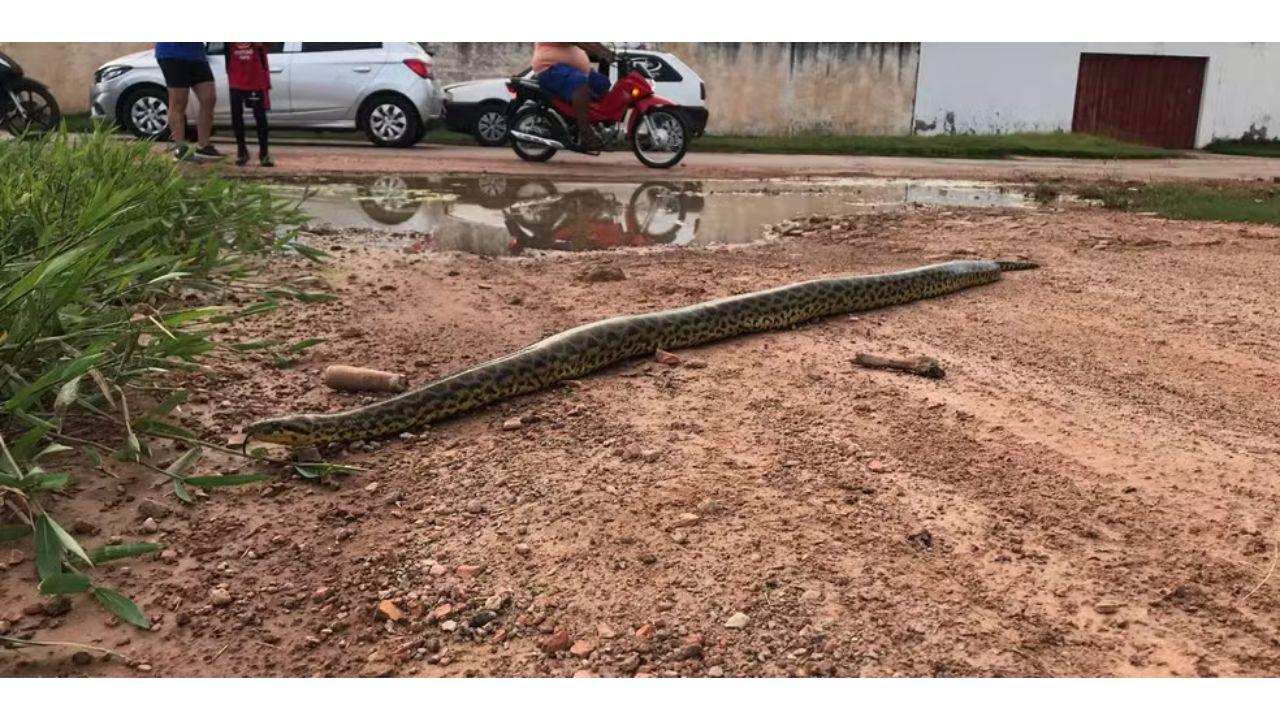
(535,140)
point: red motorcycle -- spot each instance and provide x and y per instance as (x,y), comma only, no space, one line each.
(542,124)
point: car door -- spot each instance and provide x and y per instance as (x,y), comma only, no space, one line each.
(279,62)
(327,80)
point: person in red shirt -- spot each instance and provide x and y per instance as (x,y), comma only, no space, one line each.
(249,80)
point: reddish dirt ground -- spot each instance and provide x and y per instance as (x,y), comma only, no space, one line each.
(1091,490)
(312,157)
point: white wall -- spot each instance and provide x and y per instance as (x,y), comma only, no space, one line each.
(1031,87)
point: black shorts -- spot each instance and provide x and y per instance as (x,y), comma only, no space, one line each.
(180,73)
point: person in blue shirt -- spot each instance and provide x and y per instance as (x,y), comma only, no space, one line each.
(186,69)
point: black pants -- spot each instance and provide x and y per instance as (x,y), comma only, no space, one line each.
(252,98)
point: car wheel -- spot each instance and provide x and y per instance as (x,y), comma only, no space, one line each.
(390,121)
(491,125)
(144,112)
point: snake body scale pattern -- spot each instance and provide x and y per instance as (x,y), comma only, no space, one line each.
(587,348)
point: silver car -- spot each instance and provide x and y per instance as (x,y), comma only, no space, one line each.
(388,90)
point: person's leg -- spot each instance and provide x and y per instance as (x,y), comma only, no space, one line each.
(178,114)
(237,125)
(582,113)
(260,117)
(205,95)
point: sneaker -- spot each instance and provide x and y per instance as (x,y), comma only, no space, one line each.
(266,161)
(208,152)
(242,157)
(182,152)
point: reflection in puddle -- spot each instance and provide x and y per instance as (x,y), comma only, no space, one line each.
(496,215)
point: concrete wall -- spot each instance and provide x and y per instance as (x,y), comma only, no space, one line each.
(1030,87)
(67,68)
(460,61)
(795,88)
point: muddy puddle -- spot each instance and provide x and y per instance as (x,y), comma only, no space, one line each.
(497,215)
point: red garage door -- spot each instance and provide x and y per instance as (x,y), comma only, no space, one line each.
(1149,99)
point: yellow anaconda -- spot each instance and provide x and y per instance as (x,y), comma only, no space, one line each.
(587,348)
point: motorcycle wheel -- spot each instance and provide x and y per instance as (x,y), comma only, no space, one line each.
(534,121)
(660,138)
(42,113)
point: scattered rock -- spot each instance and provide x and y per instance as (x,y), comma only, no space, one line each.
(604,273)
(876,466)
(56,606)
(169,555)
(1108,607)
(557,641)
(482,618)
(442,611)
(523,549)
(715,671)
(449,625)
(150,526)
(650,455)
(737,621)
(389,610)
(630,663)
(810,596)
(496,602)
(151,508)
(584,674)
(645,631)
(439,569)
(475,507)
(466,572)
(220,597)
(512,424)
(82,658)
(710,507)
(665,358)
(582,649)
(606,632)
(648,558)
(922,539)
(685,520)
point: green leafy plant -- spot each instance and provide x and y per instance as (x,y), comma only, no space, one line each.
(115,267)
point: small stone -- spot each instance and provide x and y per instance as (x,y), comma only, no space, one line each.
(442,612)
(922,539)
(482,618)
(582,649)
(220,597)
(169,555)
(648,558)
(496,602)
(737,621)
(695,364)
(685,520)
(439,569)
(876,466)
(710,507)
(475,507)
(466,572)
(371,487)
(523,549)
(557,641)
(584,674)
(512,424)
(151,508)
(604,273)
(715,671)
(810,596)
(665,358)
(449,625)
(645,631)
(57,606)
(630,663)
(82,658)
(144,668)
(650,455)
(150,525)
(1108,607)
(389,610)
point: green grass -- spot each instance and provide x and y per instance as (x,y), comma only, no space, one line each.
(1261,148)
(1177,201)
(937,146)
(104,244)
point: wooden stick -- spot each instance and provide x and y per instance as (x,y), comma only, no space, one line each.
(919,365)
(346,377)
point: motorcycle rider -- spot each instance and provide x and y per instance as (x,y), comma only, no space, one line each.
(564,69)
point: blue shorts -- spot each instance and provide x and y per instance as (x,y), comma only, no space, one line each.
(564,81)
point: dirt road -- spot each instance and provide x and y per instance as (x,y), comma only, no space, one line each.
(355,158)
(1092,489)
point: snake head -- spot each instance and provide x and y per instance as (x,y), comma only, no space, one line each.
(281,431)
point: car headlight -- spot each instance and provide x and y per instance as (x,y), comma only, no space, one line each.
(110,72)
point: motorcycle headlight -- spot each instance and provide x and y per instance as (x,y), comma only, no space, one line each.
(110,72)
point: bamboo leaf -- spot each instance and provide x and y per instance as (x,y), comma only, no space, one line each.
(208,481)
(107,553)
(184,463)
(13,532)
(120,606)
(180,491)
(64,584)
(67,541)
(48,548)
(303,345)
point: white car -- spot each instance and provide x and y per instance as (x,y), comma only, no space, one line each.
(388,90)
(479,107)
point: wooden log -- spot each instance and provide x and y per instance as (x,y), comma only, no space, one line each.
(919,365)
